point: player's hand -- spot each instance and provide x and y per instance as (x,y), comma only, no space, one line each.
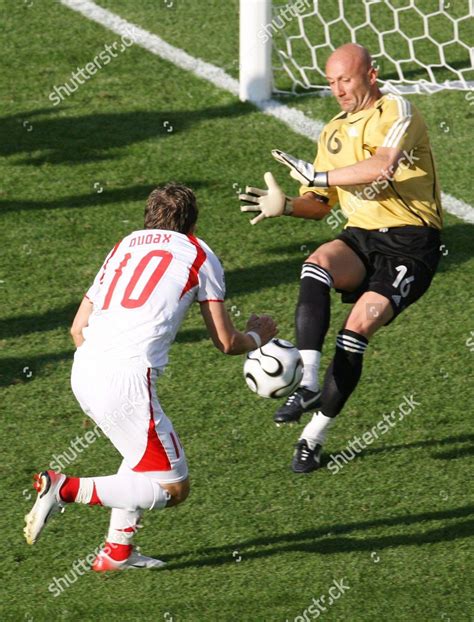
(301,171)
(264,325)
(270,203)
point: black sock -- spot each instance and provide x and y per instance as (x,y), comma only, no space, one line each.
(343,373)
(313,308)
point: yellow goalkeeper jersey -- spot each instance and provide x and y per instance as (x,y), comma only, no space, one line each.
(411,195)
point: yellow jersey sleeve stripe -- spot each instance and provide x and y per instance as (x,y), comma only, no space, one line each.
(400,126)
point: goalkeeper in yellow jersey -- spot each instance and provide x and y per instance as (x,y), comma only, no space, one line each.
(374,159)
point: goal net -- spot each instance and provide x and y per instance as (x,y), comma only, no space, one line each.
(419,46)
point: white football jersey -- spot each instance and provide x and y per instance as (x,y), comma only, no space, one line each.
(142,293)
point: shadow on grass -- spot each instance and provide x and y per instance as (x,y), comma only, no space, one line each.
(457,241)
(333,538)
(24,369)
(60,317)
(443,455)
(93,137)
(94,199)
(192,335)
(264,275)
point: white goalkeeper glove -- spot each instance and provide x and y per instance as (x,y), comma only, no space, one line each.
(301,171)
(270,203)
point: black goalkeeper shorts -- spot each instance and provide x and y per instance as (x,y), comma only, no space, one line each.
(400,262)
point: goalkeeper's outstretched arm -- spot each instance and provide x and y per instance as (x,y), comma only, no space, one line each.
(382,165)
(310,206)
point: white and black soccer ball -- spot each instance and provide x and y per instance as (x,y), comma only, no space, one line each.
(274,370)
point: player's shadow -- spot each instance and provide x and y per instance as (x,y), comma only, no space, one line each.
(257,277)
(96,198)
(340,538)
(55,138)
(442,454)
(456,245)
(24,369)
(60,317)
(192,335)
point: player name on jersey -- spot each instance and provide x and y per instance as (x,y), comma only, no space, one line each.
(150,238)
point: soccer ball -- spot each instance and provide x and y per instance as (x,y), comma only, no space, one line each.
(274,370)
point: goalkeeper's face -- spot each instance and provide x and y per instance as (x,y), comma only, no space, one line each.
(352,82)
(352,91)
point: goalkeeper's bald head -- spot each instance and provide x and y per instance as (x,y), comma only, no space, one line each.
(352,54)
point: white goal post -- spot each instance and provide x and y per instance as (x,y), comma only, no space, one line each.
(419,46)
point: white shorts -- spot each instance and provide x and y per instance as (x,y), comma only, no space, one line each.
(121,399)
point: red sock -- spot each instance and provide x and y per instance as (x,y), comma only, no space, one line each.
(70,488)
(118,552)
(68,491)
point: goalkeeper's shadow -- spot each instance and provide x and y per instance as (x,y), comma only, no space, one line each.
(336,538)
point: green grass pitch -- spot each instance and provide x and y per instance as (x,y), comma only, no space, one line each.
(254,542)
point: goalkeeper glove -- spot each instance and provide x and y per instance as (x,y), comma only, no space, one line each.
(270,203)
(301,171)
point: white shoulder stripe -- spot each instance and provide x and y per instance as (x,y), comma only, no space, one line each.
(402,128)
(404,114)
(401,124)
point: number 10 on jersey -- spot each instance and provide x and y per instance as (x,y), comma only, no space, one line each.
(128,301)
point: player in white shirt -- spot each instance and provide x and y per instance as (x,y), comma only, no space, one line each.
(123,330)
